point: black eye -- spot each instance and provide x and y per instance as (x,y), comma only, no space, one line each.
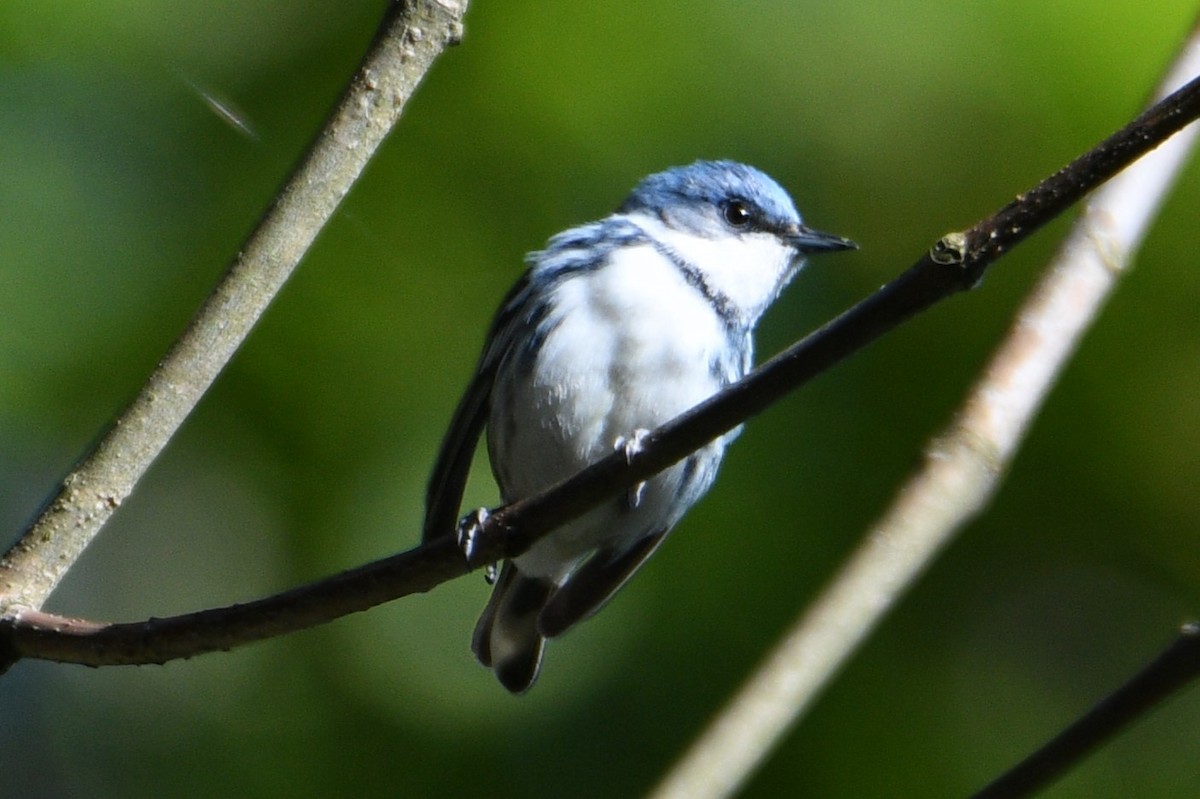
(736,213)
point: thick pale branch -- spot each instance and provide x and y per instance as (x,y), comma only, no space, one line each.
(412,35)
(956,264)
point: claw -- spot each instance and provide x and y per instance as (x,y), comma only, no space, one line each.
(468,530)
(633,445)
(630,447)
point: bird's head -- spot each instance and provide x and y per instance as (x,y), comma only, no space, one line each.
(732,222)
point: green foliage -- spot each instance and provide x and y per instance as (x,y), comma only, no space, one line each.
(125,195)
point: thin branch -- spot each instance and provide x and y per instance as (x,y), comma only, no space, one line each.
(963,466)
(1175,667)
(411,36)
(47,636)
(955,265)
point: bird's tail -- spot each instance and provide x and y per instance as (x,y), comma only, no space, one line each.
(506,638)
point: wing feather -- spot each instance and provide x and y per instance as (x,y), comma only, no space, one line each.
(447,482)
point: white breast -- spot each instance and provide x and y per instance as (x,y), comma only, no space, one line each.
(631,346)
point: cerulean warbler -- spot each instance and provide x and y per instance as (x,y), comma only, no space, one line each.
(617,327)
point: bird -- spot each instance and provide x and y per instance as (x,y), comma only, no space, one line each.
(615,327)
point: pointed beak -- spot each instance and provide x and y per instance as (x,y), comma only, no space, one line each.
(806,240)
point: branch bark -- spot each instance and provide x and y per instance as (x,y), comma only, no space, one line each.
(410,37)
(963,466)
(1175,667)
(955,264)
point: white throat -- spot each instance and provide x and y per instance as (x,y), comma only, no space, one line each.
(749,269)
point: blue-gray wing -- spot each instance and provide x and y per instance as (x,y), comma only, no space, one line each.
(522,317)
(443,495)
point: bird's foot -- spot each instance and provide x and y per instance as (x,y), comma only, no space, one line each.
(467,537)
(631,446)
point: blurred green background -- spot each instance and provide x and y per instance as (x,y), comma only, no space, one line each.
(125,195)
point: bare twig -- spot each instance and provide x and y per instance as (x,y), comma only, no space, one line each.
(954,265)
(963,466)
(1176,666)
(411,36)
(49,637)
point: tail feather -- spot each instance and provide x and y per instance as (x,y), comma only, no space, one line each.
(506,638)
(594,583)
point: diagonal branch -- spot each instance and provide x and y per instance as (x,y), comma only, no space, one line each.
(410,37)
(955,264)
(963,466)
(1174,668)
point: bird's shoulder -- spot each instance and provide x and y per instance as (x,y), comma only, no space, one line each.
(585,247)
